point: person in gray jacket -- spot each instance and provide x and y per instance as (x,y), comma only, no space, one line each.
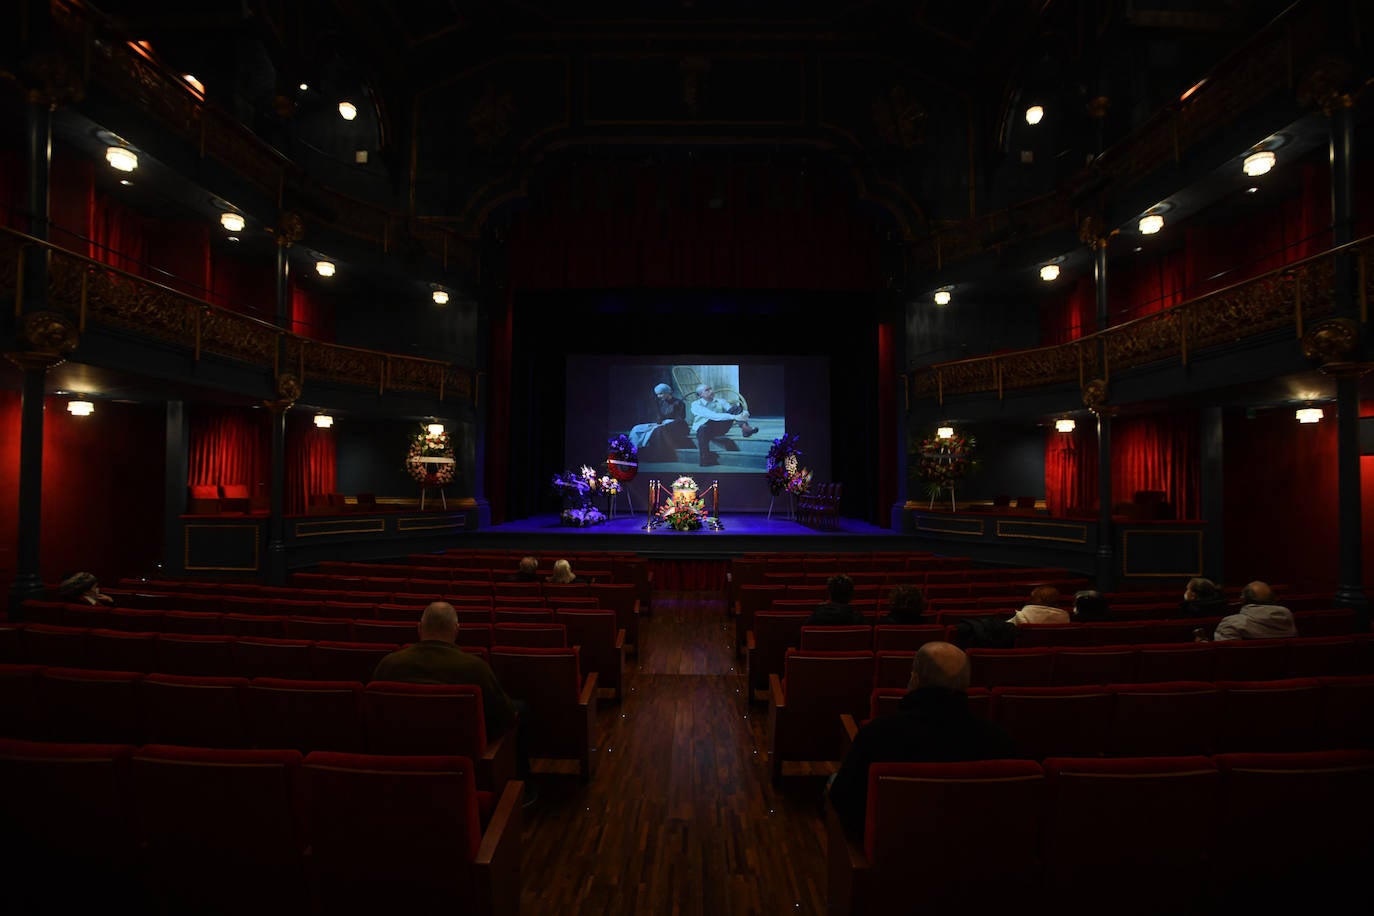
(1259,617)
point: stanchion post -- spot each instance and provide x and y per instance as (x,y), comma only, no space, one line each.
(715,499)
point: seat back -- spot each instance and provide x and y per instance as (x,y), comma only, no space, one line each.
(530,635)
(1093,665)
(595,631)
(346,661)
(194,711)
(1250,659)
(1268,716)
(1167,718)
(1010,667)
(193,654)
(901,637)
(550,681)
(837,639)
(84,704)
(1167,661)
(304,715)
(1348,711)
(438,719)
(1054,721)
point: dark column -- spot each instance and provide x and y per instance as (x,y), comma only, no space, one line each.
(1211,488)
(1106,560)
(276,525)
(1350,584)
(28,580)
(174,488)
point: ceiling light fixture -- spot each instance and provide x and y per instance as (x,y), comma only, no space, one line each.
(1260,163)
(1049,273)
(440,297)
(231,221)
(125,160)
(324,268)
(1034,114)
(347,111)
(194,83)
(1309,414)
(1064,425)
(305,87)
(80,408)
(945,432)
(323,420)
(435,429)
(1151,223)
(126,182)
(942,297)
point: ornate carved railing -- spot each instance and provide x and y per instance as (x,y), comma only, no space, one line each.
(107,58)
(1291,296)
(90,292)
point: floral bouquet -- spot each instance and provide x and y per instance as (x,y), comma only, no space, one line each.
(683,512)
(425,444)
(943,461)
(582,517)
(622,458)
(685,483)
(783,469)
(608,485)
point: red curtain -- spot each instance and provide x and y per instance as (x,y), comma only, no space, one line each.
(179,256)
(1069,315)
(119,236)
(230,445)
(1071,471)
(310,463)
(499,407)
(312,314)
(1159,452)
(71,204)
(243,286)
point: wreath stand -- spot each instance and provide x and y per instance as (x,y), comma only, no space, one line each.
(936,491)
(791,506)
(431,480)
(942,457)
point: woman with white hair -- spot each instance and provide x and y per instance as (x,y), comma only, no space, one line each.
(670,426)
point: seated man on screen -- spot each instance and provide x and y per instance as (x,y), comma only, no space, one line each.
(712,417)
(671,425)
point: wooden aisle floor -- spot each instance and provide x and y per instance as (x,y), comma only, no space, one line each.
(681,817)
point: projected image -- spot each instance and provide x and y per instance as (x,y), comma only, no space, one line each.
(685,417)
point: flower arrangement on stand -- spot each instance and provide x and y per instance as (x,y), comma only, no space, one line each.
(683,511)
(945,461)
(783,469)
(577,490)
(425,444)
(622,458)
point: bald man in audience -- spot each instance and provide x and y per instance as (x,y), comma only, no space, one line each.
(1258,618)
(932,724)
(435,659)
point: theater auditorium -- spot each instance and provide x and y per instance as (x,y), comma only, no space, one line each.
(319,314)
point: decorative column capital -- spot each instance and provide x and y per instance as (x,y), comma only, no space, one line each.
(51,79)
(48,339)
(288,391)
(1095,396)
(1325,85)
(290,229)
(1333,343)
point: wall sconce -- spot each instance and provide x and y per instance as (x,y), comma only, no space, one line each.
(440,297)
(323,420)
(945,432)
(348,111)
(80,408)
(1309,414)
(1049,273)
(231,221)
(125,160)
(1260,163)
(324,268)
(942,297)
(1034,114)
(1151,223)
(435,429)
(1064,425)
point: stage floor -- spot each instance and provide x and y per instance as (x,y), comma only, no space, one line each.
(742,533)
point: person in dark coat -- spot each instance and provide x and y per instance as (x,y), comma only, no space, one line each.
(1203,598)
(933,724)
(905,606)
(1090,606)
(836,612)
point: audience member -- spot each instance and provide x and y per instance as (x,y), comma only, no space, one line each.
(1089,606)
(82,588)
(932,724)
(1202,598)
(836,612)
(527,571)
(1043,608)
(905,605)
(1258,618)
(436,659)
(563,574)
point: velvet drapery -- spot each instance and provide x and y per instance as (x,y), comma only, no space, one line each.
(230,445)
(1156,452)
(311,463)
(1071,471)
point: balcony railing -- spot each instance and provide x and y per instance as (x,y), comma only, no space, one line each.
(88,291)
(1292,296)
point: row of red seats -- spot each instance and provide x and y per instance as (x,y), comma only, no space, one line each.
(165,828)
(1074,835)
(592,629)
(1268,659)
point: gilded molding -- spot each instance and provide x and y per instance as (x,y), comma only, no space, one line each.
(1331,341)
(1095,395)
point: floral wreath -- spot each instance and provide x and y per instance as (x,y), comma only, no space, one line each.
(582,484)
(784,471)
(425,444)
(622,458)
(943,461)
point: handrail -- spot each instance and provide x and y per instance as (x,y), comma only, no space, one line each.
(1285,296)
(88,290)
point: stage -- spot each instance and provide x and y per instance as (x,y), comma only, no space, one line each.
(742,533)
